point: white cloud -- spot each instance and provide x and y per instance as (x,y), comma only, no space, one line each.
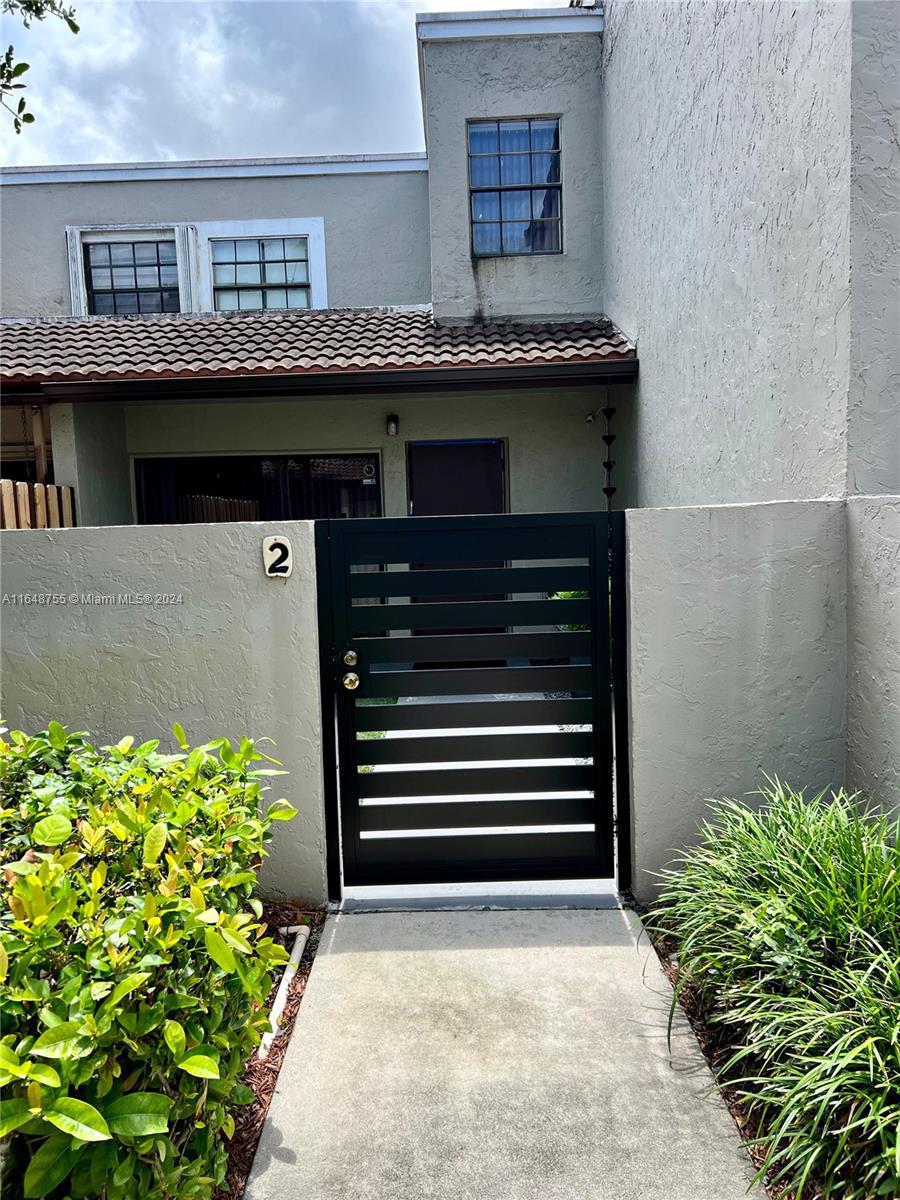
(148,79)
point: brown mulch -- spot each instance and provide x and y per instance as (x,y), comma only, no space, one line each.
(717,1048)
(262,1075)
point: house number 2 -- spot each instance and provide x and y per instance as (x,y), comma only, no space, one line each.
(278,561)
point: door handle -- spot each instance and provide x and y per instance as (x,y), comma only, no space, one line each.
(351,681)
(349,658)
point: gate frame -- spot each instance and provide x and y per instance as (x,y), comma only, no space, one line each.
(618,675)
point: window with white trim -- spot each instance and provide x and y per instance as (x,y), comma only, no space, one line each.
(129,269)
(260,273)
(273,264)
(207,266)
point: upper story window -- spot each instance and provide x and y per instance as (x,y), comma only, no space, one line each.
(254,273)
(131,277)
(203,266)
(515,189)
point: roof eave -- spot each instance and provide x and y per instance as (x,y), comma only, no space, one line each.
(428,379)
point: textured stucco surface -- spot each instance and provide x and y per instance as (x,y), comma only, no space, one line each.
(553,459)
(725,201)
(737,652)
(873,648)
(90,454)
(555,75)
(376,229)
(873,449)
(238,655)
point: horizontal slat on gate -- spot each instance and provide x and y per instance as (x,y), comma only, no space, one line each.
(463,852)
(376,617)
(471,814)
(475,545)
(464,582)
(475,747)
(475,715)
(478,681)
(471,647)
(476,781)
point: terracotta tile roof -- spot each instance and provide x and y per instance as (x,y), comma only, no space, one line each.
(287,343)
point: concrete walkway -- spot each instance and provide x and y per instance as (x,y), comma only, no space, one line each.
(492,1056)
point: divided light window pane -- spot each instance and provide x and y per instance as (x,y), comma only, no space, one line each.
(243,269)
(515,186)
(131,277)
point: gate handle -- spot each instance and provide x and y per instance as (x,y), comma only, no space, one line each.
(351,681)
(349,658)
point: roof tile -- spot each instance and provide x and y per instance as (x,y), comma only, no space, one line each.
(34,351)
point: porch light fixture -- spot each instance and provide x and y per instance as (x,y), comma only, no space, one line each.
(392,425)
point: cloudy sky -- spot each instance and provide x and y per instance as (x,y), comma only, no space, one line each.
(162,79)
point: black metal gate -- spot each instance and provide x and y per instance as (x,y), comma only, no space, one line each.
(467,663)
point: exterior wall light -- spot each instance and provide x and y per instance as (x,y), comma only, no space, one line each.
(392,425)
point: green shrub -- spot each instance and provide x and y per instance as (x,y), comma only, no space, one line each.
(134,970)
(787,922)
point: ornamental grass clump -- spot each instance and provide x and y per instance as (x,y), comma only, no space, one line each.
(134,970)
(787,926)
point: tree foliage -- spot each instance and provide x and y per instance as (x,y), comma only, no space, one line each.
(11,72)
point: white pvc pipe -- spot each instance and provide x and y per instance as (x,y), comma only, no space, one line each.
(290,970)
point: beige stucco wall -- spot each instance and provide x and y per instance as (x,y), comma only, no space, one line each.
(553,75)
(874,408)
(376,229)
(725,206)
(237,655)
(873,648)
(90,454)
(553,460)
(737,661)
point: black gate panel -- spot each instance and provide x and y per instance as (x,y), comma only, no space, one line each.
(474,734)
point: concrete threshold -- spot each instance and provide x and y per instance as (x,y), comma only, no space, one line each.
(542,894)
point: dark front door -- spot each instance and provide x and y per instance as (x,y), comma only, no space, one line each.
(454,478)
(495,762)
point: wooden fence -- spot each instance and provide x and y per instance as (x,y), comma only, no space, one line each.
(36,506)
(206,509)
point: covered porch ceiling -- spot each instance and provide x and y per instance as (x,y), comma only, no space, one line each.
(313,352)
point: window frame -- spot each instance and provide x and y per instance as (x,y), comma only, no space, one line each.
(474,189)
(312,228)
(78,237)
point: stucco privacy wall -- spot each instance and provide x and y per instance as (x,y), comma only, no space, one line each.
(737,652)
(873,448)
(873,648)
(725,202)
(238,655)
(553,457)
(553,75)
(376,229)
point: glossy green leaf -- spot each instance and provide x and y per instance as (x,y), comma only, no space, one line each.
(219,951)
(280,810)
(77,1118)
(13,1114)
(51,1164)
(52,830)
(44,1073)
(200,1065)
(62,1041)
(174,1036)
(139,1114)
(56,735)
(155,843)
